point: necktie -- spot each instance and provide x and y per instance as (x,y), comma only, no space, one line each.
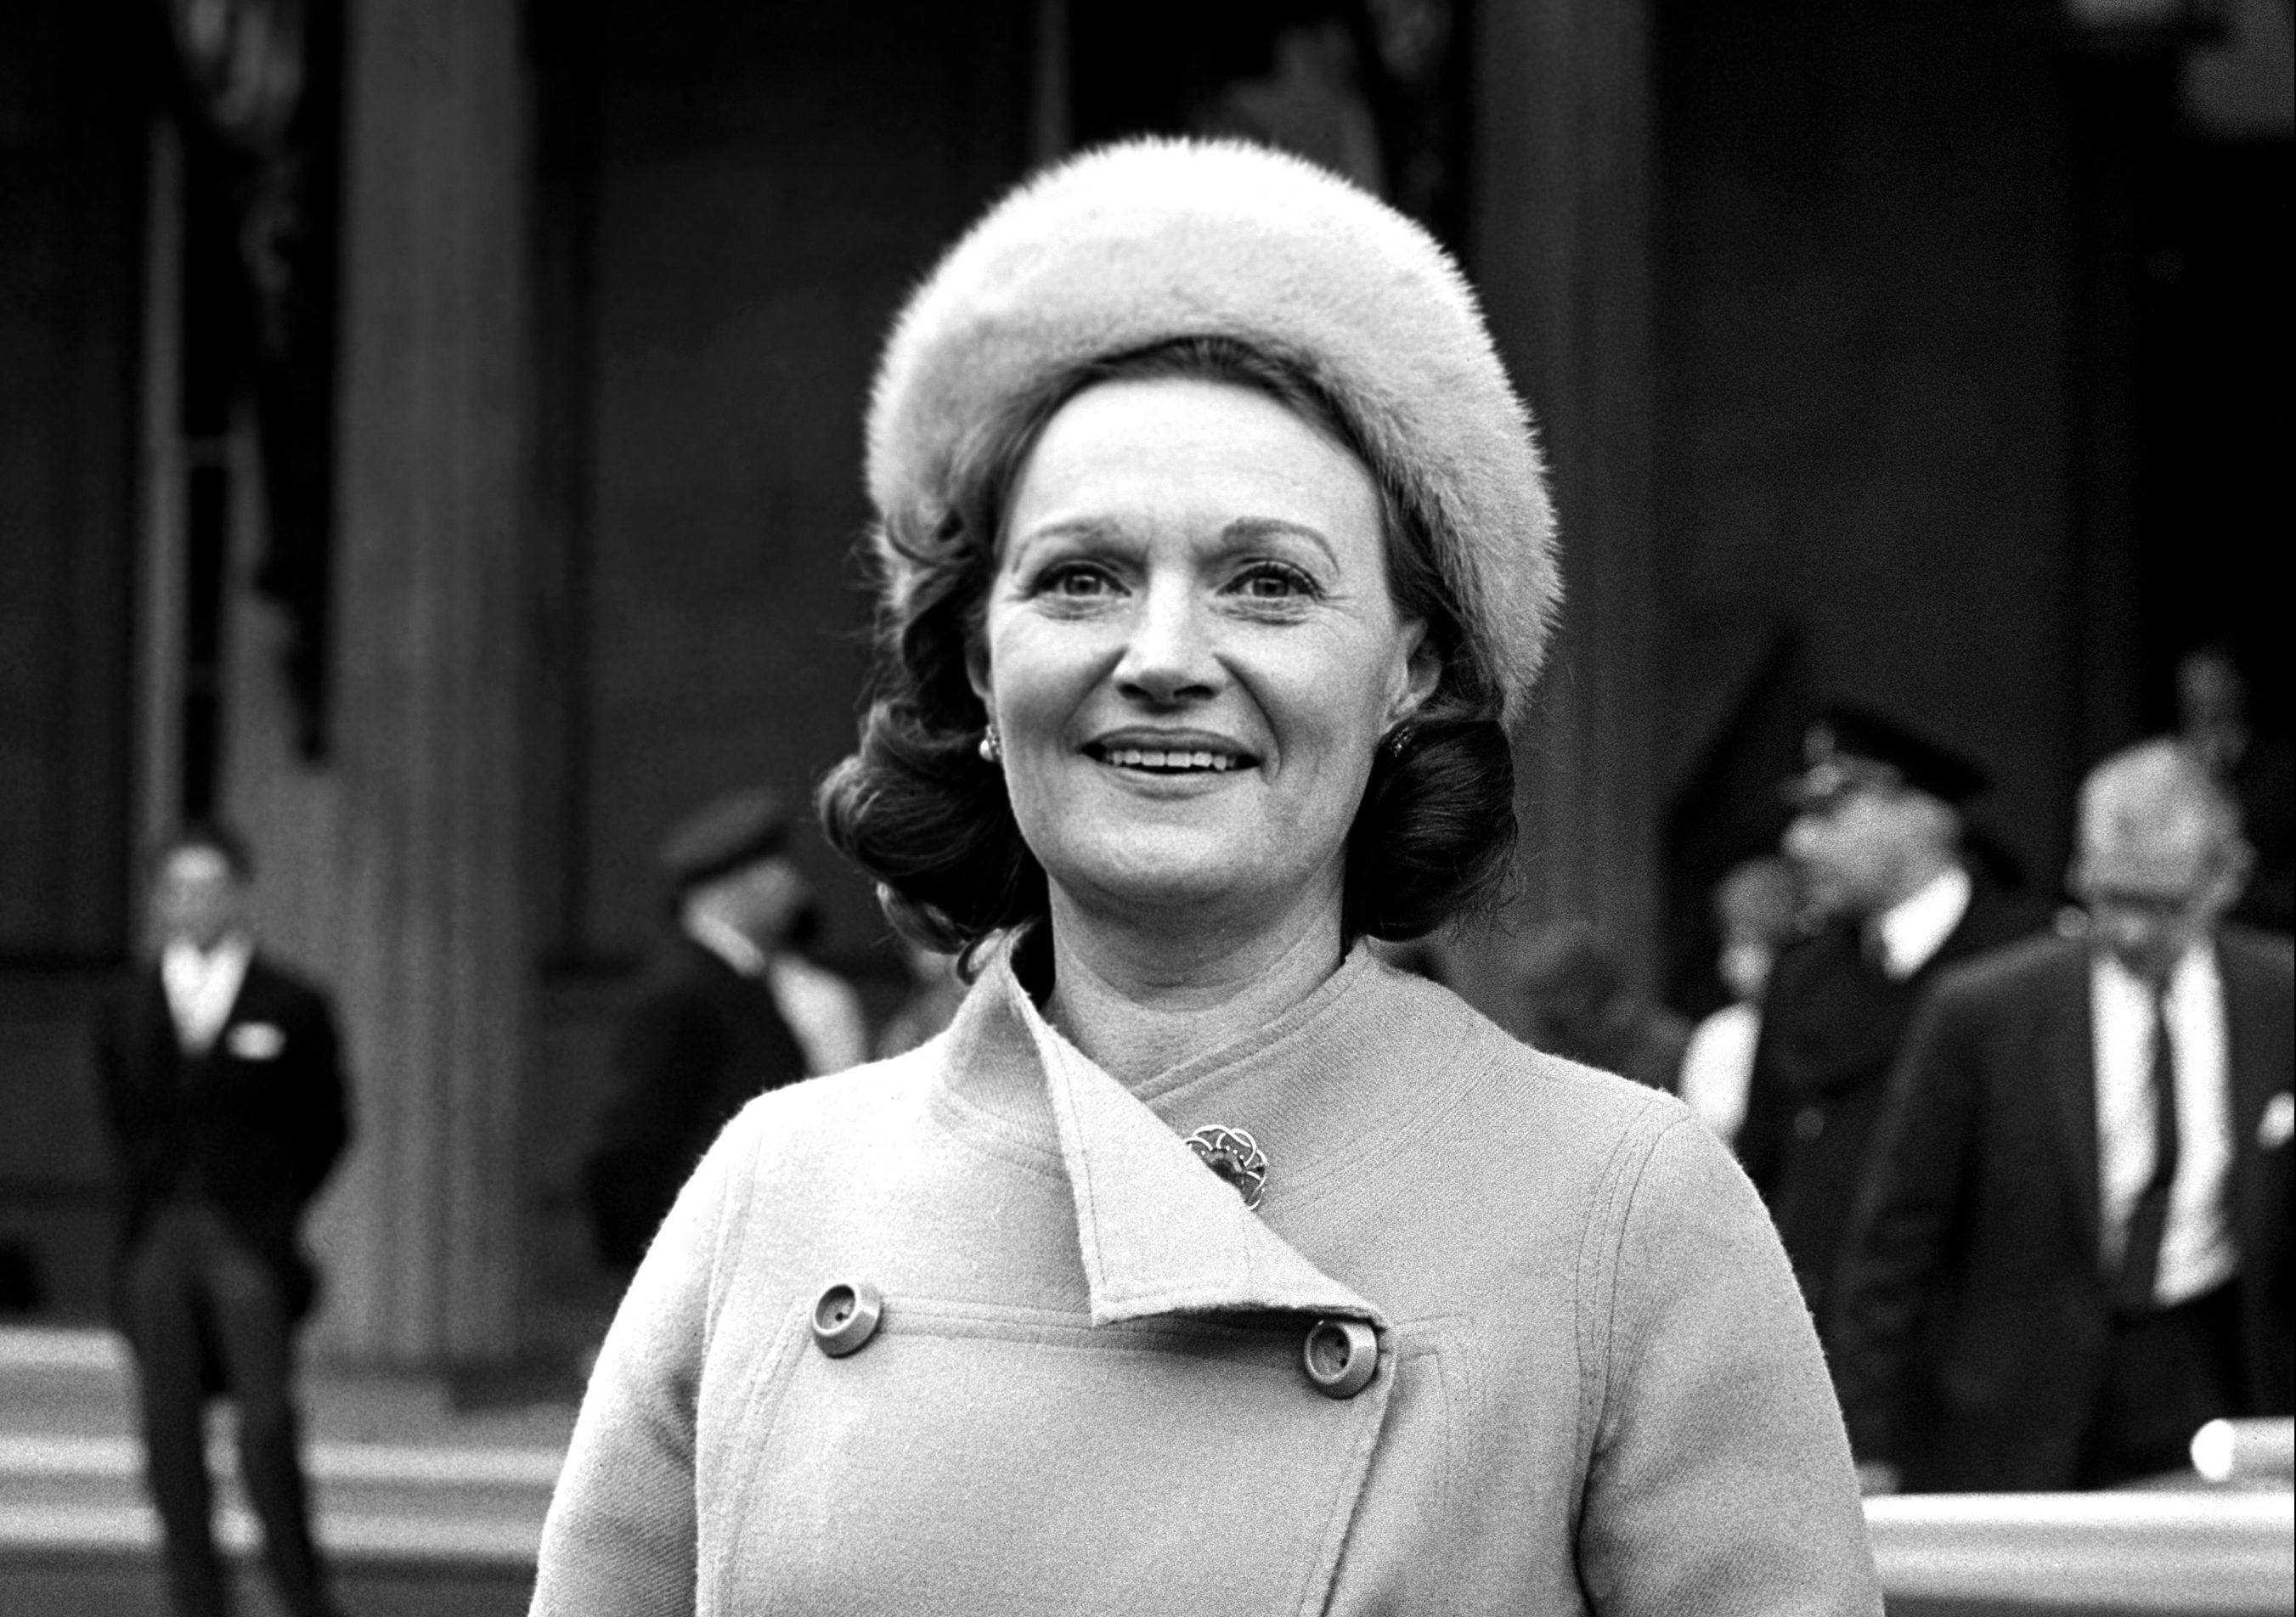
(2140,1256)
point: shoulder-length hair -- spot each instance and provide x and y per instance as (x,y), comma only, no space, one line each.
(920,810)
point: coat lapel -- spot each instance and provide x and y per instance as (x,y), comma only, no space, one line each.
(1160,1233)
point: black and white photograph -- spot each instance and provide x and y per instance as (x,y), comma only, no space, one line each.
(1060,808)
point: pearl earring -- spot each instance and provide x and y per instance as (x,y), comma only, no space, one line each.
(992,747)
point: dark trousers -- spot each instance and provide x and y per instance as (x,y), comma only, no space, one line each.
(2169,1372)
(193,1287)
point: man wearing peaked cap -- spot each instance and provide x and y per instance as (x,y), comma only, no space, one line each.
(731,1011)
(1878,833)
(1846,746)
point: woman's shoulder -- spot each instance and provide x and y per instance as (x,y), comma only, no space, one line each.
(860,1097)
(1531,1090)
(1522,1115)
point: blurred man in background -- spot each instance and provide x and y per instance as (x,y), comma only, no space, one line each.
(1759,909)
(224,1088)
(731,1011)
(1877,837)
(2076,1249)
(1578,1004)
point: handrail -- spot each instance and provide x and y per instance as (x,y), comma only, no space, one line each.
(2165,1551)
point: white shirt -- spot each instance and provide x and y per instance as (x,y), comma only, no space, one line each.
(1915,927)
(727,941)
(1719,1067)
(202,988)
(2197,1253)
(823,1011)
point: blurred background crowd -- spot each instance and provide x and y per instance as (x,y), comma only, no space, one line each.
(429,443)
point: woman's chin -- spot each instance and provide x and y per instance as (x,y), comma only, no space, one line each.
(1173,879)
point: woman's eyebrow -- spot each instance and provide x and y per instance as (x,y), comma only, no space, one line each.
(1090,530)
(1244,530)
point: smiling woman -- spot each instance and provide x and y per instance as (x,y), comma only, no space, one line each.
(1433,822)
(1214,559)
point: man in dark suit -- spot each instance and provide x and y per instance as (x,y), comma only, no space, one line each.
(224,1088)
(2076,1249)
(1878,837)
(711,1028)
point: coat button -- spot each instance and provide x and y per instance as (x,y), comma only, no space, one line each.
(1809,1123)
(1342,1356)
(847,1316)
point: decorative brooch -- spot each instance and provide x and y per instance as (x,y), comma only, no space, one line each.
(1235,1156)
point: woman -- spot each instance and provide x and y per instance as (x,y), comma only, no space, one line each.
(1215,557)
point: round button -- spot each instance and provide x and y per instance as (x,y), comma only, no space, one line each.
(1342,1355)
(847,1316)
(1809,1123)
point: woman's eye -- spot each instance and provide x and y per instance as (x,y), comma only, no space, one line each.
(1275,581)
(1074,580)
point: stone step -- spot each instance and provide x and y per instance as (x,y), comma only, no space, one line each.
(422,1510)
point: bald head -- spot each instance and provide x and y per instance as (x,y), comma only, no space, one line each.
(2161,856)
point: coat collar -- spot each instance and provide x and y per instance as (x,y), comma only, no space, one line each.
(1158,1231)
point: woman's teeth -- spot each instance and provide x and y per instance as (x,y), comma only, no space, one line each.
(1138,757)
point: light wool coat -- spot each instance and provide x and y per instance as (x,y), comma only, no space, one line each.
(1597,1388)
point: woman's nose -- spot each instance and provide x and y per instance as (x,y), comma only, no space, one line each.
(1168,656)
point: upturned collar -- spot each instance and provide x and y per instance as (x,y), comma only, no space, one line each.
(1159,1231)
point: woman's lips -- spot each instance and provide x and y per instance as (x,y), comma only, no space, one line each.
(1168,759)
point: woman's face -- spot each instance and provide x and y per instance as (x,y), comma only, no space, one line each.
(1191,649)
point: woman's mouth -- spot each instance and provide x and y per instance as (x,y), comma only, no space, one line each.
(1169,760)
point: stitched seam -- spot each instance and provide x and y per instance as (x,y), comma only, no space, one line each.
(1058,1092)
(726,1242)
(1402,1127)
(978,1129)
(1211,1294)
(726,1245)
(748,1523)
(1070,1337)
(1593,1352)
(1333,992)
(1330,1543)
(714,1293)
(1625,1373)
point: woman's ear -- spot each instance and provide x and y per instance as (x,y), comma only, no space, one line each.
(1421,670)
(976,670)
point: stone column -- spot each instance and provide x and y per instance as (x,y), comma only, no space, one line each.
(1560,245)
(431,957)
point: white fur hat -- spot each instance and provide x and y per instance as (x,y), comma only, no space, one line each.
(1137,243)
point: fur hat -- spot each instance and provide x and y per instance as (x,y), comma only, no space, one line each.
(1137,243)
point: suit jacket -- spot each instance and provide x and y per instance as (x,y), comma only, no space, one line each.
(1832,1026)
(1975,1311)
(1085,1392)
(252,1125)
(702,1041)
